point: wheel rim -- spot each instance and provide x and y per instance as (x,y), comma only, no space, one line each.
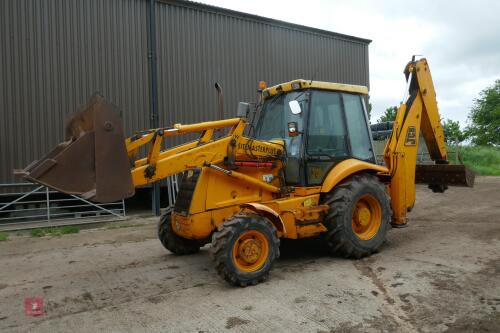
(250,251)
(366,217)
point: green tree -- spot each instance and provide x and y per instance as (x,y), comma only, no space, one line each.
(452,132)
(484,117)
(389,115)
(369,111)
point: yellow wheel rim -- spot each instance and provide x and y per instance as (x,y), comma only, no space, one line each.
(366,217)
(250,251)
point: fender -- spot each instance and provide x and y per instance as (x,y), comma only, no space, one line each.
(347,168)
(268,212)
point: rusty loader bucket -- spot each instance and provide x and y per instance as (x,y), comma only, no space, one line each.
(92,162)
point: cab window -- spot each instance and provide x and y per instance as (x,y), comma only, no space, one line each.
(357,125)
(338,130)
(327,132)
(327,135)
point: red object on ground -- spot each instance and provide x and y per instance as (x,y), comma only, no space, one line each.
(33,306)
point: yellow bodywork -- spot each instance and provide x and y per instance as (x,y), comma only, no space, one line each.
(223,190)
(220,193)
(349,167)
(309,84)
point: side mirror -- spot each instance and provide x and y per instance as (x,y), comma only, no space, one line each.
(295,107)
(243,110)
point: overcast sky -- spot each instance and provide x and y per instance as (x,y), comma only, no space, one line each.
(460,39)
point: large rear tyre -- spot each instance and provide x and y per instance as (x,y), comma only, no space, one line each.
(244,249)
(173,242)
(359,217)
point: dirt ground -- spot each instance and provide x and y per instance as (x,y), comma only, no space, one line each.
(440,274)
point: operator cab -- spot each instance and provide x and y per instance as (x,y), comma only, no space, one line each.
(321,124)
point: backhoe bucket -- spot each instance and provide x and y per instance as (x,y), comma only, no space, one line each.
(444,175)
(93,161)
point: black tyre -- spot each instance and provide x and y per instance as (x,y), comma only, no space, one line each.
(358,218)
(244,249)
(173,242)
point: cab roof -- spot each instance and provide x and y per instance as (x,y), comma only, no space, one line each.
(306,84)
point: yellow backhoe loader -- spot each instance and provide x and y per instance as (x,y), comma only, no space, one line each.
(303,167)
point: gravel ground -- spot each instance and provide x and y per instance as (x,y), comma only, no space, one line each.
(442,273)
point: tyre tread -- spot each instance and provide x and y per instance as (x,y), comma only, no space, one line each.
(221,247)
(340,199)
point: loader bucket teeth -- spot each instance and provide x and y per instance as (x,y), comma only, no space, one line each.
(92,162)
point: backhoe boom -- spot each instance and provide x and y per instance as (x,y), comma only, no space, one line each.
(419,113)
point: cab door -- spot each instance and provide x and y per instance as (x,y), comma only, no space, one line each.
(337,130)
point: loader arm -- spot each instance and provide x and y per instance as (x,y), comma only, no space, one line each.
(97,163)
(207,151)
(419,113)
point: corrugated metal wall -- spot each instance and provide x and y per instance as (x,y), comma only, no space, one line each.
(54,54)
(198,47)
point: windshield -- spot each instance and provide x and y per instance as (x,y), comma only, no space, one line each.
(275,114)
(271,119)
(272,123)
(274,117)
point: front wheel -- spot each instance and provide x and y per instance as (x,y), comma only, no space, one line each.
(173,242)
(244,249)
(358,218)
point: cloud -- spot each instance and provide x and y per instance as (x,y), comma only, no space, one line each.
(460,39)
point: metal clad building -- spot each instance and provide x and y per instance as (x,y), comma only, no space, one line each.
(54,54)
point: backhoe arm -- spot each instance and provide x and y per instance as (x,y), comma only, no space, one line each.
(418,113)
(431,127)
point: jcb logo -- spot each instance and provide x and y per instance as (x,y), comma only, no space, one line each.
(411,136)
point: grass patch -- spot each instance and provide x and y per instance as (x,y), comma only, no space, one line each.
(484,160)
(38,232)
(4,237)
(55,231)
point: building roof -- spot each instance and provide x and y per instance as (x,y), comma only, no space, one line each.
(252,17)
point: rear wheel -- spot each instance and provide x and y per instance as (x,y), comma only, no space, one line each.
(358,218)
(244,249)
(173,242)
